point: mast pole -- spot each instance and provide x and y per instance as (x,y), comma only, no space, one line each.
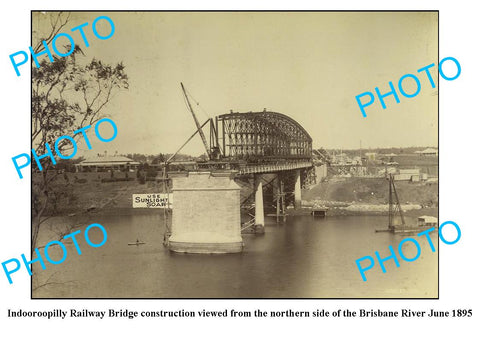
(398,202)
(390,210)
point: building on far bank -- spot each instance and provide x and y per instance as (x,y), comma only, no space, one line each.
(106,163)
(429,152)
(408,175)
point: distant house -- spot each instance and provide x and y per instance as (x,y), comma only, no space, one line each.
(371,156)
(107,163)
(428,152)
(408,175)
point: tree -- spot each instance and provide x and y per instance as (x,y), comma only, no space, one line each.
(67,94)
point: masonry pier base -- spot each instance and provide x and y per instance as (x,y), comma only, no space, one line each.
(206,214)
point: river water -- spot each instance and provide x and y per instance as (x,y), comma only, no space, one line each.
(305,257)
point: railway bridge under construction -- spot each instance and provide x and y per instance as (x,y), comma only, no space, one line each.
(258,162)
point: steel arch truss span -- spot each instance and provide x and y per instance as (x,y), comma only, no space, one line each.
(259,136)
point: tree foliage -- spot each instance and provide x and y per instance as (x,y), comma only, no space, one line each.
(67,94)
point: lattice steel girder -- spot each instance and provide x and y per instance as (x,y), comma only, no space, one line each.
(264,134)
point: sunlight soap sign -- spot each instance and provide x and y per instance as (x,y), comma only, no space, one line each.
(152,200)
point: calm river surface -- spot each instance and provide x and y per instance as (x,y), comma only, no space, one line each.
(305,257)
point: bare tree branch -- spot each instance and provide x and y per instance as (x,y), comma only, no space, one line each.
(56,27)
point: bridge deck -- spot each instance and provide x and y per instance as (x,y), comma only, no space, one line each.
(269,168)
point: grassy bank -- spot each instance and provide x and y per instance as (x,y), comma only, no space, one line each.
(85,191)
(372,191)
(77,192)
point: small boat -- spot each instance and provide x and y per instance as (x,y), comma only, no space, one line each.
(136,243)
(395,209)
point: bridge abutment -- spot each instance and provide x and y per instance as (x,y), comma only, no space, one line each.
(206,216)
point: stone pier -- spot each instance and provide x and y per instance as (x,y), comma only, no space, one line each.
(206,213)
(259,210)
(298,190)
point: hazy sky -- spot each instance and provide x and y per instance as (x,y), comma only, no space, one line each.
(309,66)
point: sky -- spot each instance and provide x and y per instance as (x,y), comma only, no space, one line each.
(307,65)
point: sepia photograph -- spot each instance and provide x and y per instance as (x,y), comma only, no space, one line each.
(234,154)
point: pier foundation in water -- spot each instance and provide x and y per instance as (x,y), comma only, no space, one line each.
(206,214)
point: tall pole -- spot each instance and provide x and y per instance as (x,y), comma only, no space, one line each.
(188,140)
(282,189)
(168,231)
(199,128)
(390,210)
(398,202)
